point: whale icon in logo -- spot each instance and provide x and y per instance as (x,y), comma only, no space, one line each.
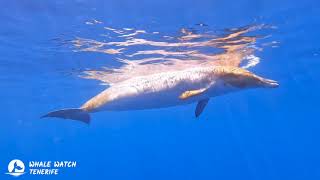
(16,168)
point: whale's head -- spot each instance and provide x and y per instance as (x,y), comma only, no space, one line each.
(242,79)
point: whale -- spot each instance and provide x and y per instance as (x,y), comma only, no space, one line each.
(167,89)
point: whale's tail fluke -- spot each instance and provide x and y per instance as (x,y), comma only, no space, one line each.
(74,113)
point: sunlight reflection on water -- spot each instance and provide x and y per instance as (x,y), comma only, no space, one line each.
(143,53)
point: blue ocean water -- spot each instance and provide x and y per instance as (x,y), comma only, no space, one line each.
(255,134)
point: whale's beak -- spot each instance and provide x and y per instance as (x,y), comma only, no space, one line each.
(242,78)
(269,83)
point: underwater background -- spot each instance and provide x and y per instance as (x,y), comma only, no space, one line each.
(258,134)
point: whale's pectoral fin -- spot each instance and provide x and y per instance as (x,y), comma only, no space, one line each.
(200,106)
(75,114)
(188,94)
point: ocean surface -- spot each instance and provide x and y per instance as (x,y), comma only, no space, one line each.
(58,54)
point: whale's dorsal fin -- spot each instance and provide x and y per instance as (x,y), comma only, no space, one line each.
(200,106)
(188,94)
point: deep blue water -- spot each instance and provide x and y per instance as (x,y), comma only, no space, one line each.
(257,134)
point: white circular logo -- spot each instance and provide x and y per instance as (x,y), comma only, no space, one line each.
(16,167)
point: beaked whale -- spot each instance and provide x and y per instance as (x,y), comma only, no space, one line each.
(168,89)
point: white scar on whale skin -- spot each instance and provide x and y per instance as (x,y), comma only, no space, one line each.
(175,78)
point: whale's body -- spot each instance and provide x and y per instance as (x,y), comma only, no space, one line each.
(168,89)
(158,90)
